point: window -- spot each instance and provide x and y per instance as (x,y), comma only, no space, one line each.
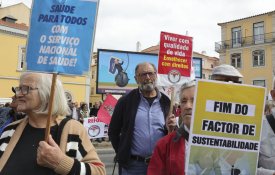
(209,77)
(236,37)
(259,83)
(258,58)
(21,57)
(92,90)
(258,32)
(236,60)
(203,63)
(203,76)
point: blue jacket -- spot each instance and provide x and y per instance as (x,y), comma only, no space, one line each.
(5,117)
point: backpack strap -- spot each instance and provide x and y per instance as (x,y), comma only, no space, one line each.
(271,121)
(60,129)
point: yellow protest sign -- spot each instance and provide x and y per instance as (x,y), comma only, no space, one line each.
(226,128)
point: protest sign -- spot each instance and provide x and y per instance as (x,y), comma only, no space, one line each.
(106,110)
(226,128)
(61,36)
(175,59)
(55,43)
(95,128)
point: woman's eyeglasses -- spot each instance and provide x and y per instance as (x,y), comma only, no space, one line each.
(23,89)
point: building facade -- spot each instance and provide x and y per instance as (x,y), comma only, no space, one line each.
(19,11)
(12,40)
(94,97)
(248,44)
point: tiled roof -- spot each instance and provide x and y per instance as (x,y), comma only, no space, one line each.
(14,25)
(20,3)
(155,49)
(152,49)
(10,17)
(247,17)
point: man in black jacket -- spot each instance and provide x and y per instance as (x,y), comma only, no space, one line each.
(138,122)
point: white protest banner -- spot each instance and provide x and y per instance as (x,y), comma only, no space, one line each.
(95,128)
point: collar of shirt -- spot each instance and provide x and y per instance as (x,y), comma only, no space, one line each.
(158,93)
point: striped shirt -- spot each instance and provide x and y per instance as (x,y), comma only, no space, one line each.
(81,157)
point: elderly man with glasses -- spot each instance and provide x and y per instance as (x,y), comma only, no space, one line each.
(138,122)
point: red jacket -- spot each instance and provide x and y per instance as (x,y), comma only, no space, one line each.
(168,157)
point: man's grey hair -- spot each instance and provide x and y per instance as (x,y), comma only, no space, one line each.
(143,64)
(43,83)
(186,85)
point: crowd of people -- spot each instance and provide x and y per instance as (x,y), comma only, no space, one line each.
(79,113)
(83,111)
(146,136)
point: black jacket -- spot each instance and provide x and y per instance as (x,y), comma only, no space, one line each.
(123,121)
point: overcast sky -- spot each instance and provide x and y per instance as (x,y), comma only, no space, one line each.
(121,23)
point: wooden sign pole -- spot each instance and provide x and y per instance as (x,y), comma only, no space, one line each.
(172,100)
(48,126)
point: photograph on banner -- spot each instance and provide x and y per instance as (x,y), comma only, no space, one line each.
(175,59)
(54,41)
(116,69)
(95,128)
(226,128)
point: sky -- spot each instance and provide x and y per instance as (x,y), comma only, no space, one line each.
(122,23)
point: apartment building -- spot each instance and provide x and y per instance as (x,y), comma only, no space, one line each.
(248,44)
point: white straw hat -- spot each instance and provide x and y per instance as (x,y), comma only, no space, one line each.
(226,70)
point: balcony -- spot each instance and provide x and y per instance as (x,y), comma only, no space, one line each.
(266,38)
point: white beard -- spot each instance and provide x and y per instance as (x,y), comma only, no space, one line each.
(148,87)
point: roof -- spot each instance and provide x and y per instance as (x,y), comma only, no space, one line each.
(204,55)
(152,49)
(21,3)
(10,17)
(266,13)
(155,49)
(14,25)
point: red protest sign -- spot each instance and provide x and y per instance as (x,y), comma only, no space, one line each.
(106,110)
(175,57)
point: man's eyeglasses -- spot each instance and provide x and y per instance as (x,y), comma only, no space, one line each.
(23,89)
(145,74)
(227,80)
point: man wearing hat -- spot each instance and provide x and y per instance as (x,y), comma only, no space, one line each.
(225,72)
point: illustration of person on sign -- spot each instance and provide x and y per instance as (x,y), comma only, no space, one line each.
(121,77)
